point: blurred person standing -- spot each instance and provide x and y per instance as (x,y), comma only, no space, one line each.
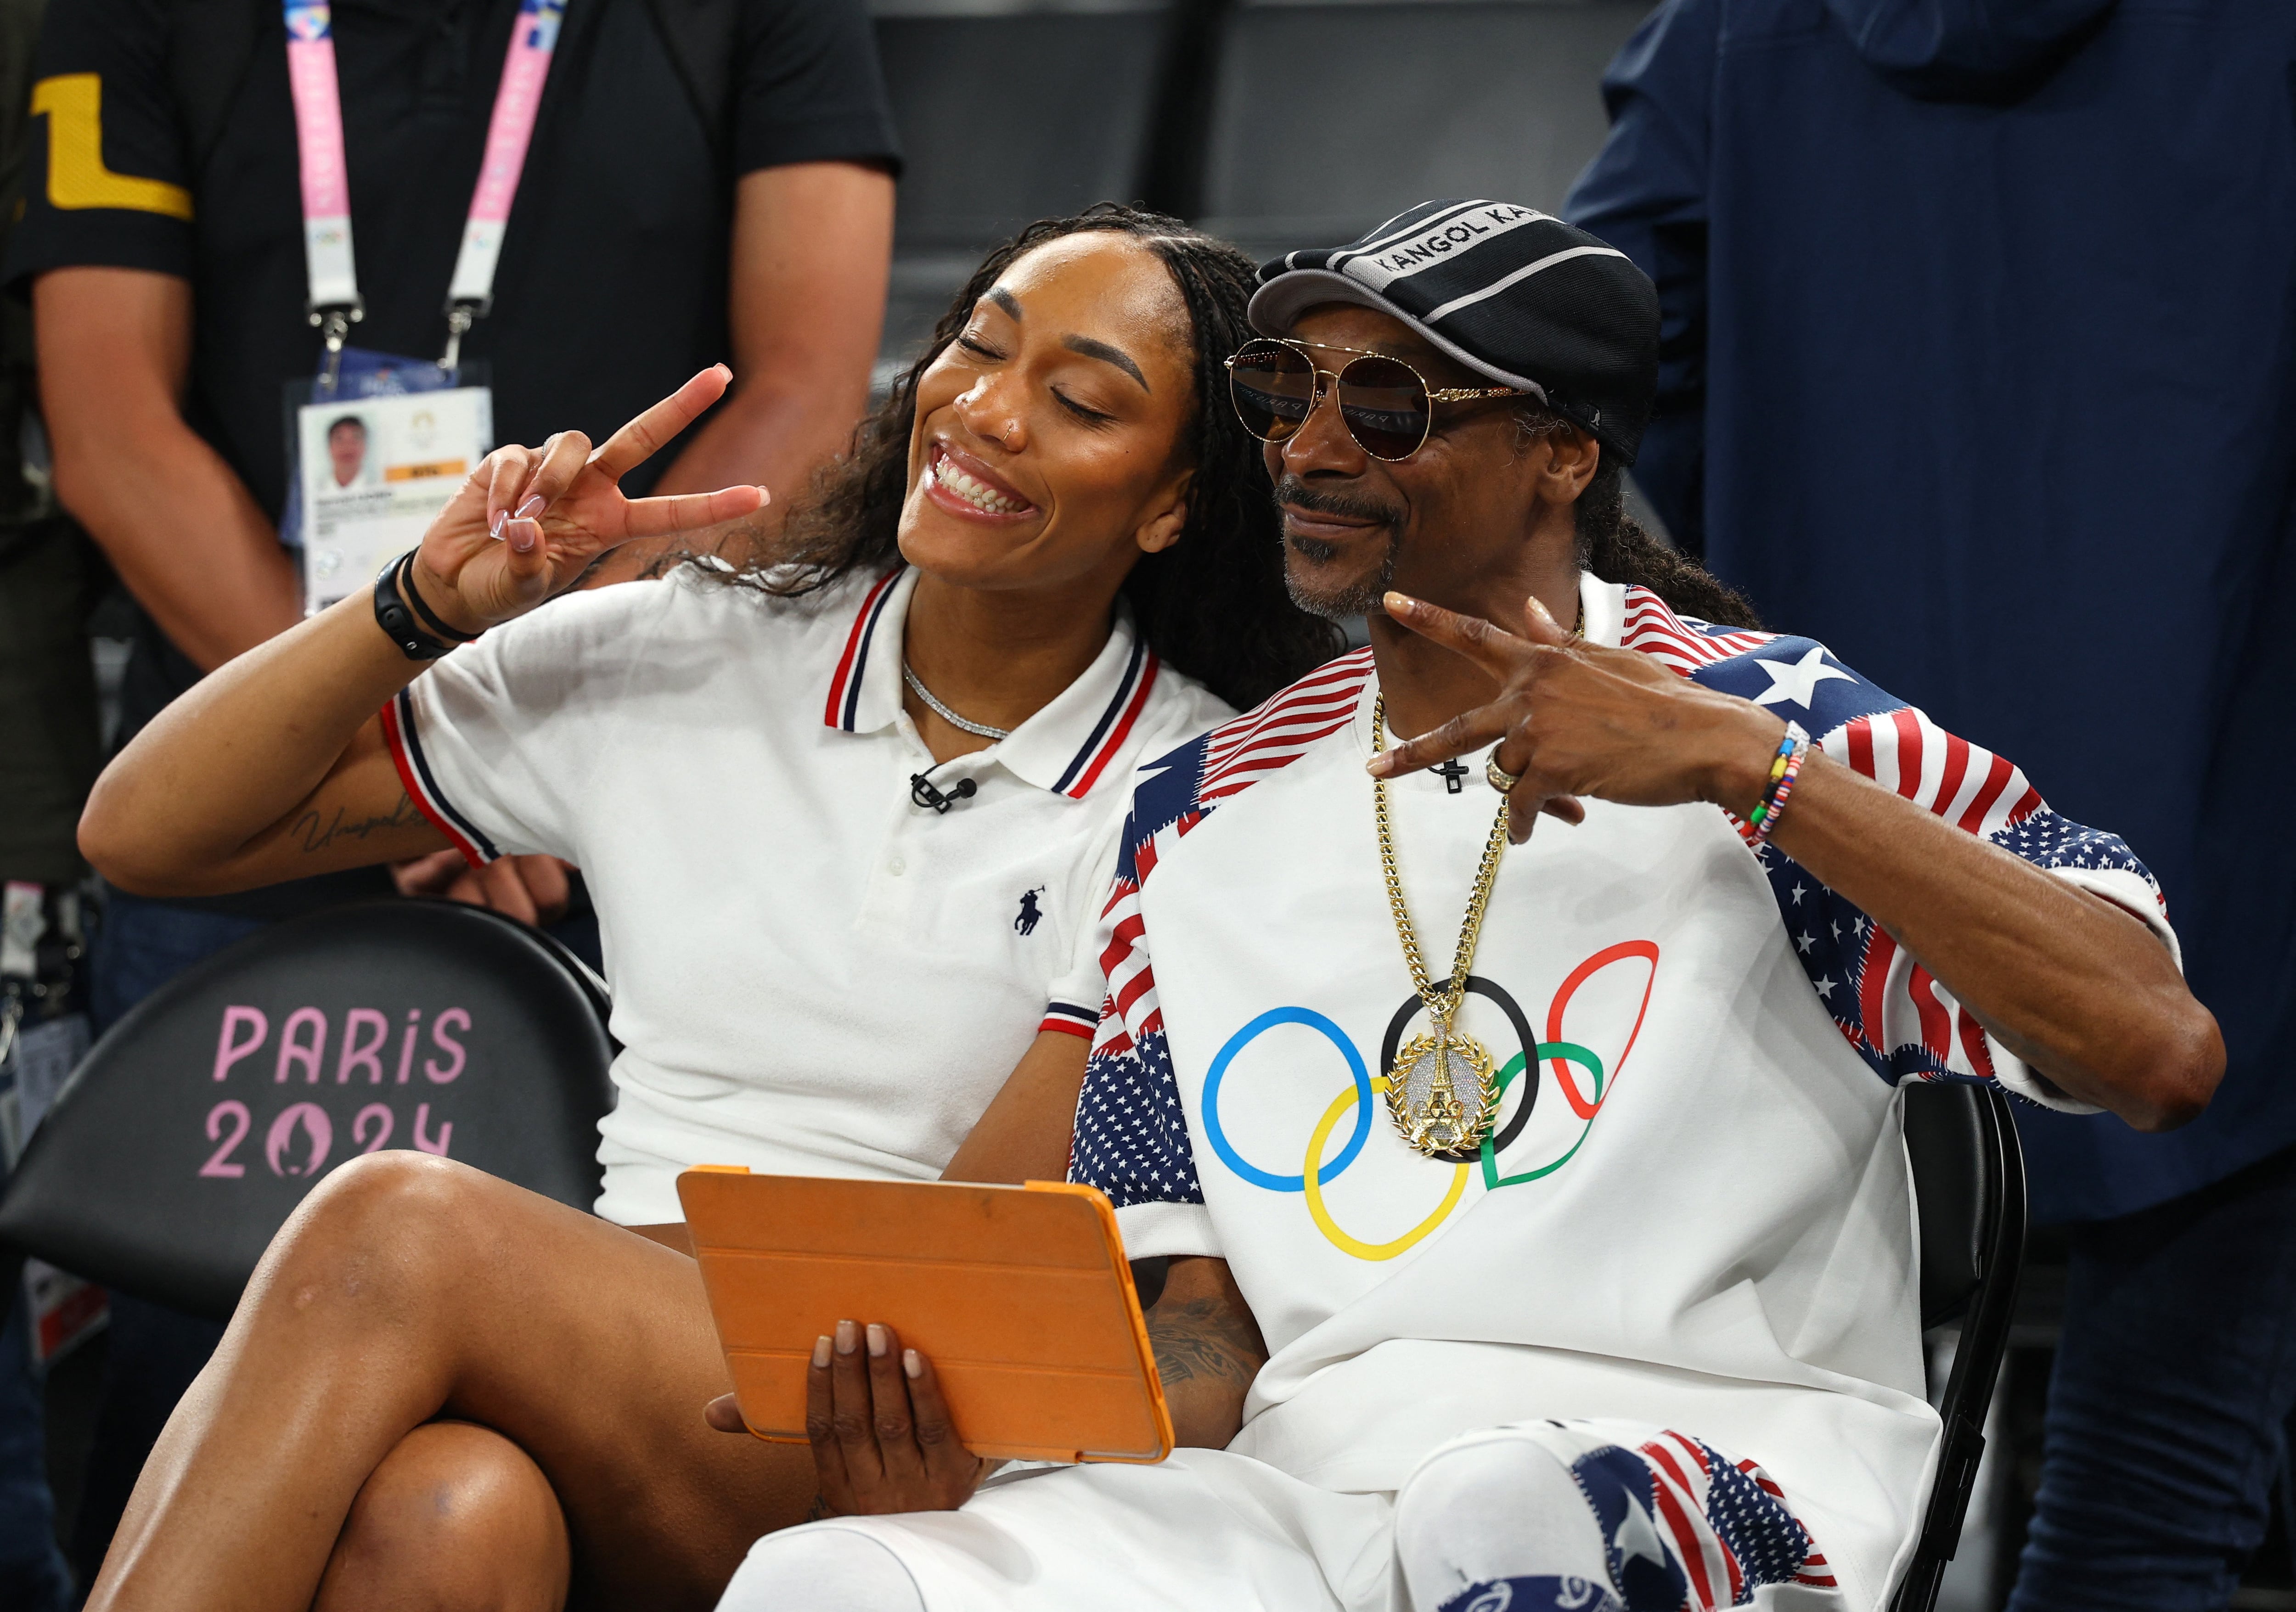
(51,578)
(1979,353)
(227,198)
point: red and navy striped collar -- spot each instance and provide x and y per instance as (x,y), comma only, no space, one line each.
(864,693)
(1066,748)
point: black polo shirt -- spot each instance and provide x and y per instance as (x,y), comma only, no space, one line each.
(612,283)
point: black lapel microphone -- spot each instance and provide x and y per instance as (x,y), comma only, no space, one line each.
(921,791)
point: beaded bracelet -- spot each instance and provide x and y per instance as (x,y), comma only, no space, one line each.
(1785,766)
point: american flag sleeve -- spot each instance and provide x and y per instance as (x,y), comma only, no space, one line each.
(1131,1138)
(1898,1017)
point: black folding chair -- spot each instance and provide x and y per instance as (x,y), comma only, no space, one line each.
(190,1132)
(1969,1192)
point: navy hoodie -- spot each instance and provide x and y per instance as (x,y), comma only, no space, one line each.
(1980,364)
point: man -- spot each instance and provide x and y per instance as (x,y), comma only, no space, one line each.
(347,448)
(51,581)
(715,183)
(1935,389)
(703,182)
(1577,1270)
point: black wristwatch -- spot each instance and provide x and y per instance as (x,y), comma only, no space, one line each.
(424,640)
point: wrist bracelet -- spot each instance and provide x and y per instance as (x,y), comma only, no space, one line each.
(391,614)
(1785,766)
(439,627)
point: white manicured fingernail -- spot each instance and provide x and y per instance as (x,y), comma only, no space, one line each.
(877,1344)
(523,535)
(911,1363)
(821,1351)
(848,1338)
(531,507)
(495,529)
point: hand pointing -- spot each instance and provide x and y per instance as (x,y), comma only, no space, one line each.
(1573,719)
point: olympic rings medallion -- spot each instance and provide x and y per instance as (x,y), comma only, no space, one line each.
(1391,1050)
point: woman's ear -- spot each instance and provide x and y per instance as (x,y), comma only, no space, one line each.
(1169,518)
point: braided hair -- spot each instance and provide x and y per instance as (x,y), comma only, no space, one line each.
(1212,604)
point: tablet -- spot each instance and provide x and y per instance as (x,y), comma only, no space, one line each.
(1019,1296)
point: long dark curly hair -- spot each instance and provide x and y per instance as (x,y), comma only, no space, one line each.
(1617,548)
(1213,604)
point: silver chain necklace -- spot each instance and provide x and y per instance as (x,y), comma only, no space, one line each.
(917,687)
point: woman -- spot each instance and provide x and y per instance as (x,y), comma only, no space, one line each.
(847,807)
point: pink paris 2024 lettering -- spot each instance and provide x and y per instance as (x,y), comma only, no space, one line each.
(303,1135)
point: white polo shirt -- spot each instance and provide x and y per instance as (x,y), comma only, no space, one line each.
(812,973)
(1694,1211)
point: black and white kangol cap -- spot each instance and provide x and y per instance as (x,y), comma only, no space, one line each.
(1509,292)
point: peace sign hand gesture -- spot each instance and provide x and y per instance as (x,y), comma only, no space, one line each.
(1574,718)
(529,521)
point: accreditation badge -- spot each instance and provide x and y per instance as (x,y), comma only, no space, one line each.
(375,458)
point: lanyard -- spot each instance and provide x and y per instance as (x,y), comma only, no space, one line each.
(335,303)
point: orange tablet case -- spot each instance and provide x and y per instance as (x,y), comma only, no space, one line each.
(1021,1297)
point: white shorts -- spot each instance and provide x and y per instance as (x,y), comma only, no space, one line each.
(1589,1516)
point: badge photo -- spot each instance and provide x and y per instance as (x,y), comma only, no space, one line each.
(373,471)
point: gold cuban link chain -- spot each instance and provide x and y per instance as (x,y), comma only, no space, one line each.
(1440,1005)
(1442,1089)
(1439,1121)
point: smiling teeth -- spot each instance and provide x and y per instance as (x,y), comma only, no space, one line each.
(973,492)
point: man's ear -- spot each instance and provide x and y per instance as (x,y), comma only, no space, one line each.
(1572,458)
(1169,517)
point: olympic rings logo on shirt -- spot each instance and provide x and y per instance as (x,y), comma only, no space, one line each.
(1315,1172)
(1322,1216)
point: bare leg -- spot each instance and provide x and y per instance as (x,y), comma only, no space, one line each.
(455,1520)
(407,1287)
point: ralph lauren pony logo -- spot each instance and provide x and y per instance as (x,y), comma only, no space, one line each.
(1026,923)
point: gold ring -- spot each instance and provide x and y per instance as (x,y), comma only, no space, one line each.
(1498,777)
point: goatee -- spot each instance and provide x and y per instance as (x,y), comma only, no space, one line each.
(1334,603)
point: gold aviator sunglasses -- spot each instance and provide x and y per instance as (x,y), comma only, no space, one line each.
(1386,405)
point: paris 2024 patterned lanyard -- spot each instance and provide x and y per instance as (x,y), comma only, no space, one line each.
(379,441)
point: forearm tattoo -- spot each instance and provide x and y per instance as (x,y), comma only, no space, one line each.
(1205,1340)
(317,836)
